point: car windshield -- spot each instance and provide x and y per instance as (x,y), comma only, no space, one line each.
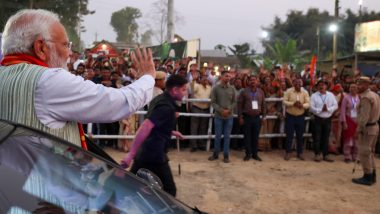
(41,173)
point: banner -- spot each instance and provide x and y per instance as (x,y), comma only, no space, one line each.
(313,68)
(367,37)
(179,50)
(172,50)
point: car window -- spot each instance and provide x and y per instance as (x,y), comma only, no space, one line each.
(40,173)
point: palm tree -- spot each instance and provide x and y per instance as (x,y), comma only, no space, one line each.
(285,53)
(220,47)
(242,53)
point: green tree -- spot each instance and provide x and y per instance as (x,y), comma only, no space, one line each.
(242,51)
(158,16)
(220,47)
(125,25)
(146,38)
(70,13)
(284,52)
(303,28)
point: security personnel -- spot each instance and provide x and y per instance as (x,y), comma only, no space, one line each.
(150,146)
(367,131)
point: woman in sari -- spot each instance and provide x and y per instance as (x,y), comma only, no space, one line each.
(349,123)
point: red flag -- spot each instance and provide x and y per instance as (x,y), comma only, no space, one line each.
(82,137)
(313,68)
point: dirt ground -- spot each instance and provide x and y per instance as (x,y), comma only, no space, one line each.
(271,186)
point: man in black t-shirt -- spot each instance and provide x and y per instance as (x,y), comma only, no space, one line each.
(152,139)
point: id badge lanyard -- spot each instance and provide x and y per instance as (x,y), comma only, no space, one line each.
(354,102)
(255,104)
(323,99)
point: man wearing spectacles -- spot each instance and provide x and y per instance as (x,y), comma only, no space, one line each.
(49,98)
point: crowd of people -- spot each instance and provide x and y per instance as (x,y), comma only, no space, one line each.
(344,108)
(332,129)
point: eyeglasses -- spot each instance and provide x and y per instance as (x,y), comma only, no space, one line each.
(68,45)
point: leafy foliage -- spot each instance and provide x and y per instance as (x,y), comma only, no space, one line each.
(242,52)
(303,27)
(158,16)
(146,38)
(220,47)
(124,23)
(284,53)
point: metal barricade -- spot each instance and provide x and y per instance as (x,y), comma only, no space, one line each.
(209,135)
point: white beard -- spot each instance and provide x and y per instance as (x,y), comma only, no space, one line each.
(55,60)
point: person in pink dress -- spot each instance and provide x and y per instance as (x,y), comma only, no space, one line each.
(348,116)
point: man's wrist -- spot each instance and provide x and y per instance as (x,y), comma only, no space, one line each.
(127,159)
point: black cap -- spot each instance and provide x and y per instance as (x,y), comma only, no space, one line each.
(322,81)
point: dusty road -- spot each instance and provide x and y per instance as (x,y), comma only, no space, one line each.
(271,186)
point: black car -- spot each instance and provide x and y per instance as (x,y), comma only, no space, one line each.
(40,173)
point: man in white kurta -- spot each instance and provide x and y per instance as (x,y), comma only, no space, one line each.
(322,105)
(36,90)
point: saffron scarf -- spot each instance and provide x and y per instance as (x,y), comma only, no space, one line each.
(21,58)
(14,59)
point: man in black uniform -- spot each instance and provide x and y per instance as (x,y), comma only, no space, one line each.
(155,132)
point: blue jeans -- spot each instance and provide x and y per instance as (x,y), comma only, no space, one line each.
(222,126)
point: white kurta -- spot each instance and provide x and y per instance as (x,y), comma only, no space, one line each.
(318,100)
(61,96)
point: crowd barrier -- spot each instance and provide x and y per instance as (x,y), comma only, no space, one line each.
(210,115)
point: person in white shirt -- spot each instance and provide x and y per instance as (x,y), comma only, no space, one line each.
(199,125)
(192,74)
(49,98)
(322,105)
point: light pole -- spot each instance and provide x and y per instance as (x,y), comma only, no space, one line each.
(318,40)
(334,28)
(170,22)
(360,10)
(265,34)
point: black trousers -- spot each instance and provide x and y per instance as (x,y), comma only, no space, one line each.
(322,127)
(198,126)
(162,171)
(252,126)
(294,124)
(109,129)
(237,143)
(183,125)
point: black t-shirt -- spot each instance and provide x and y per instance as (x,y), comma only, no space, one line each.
(97,80)
(161,113)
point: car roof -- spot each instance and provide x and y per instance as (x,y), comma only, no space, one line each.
(54,163)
